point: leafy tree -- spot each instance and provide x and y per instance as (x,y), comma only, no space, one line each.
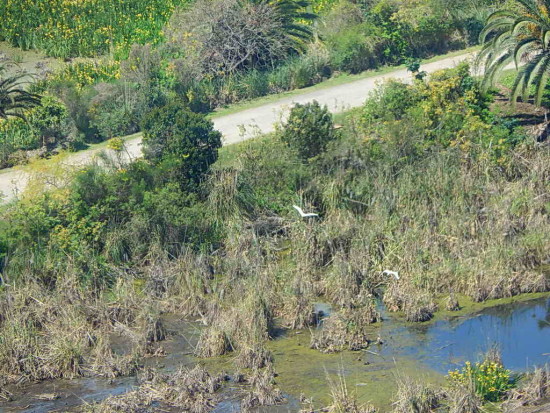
(516,35)
(182,144)
(14,99)
(309,129)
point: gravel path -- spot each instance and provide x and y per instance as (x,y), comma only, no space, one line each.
(238,126)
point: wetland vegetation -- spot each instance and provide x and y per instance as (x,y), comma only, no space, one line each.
(186,281)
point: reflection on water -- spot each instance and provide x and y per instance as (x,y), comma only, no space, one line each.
(520,330)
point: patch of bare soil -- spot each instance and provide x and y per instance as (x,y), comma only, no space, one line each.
(534,120)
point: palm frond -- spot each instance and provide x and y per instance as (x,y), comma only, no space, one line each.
(508,37)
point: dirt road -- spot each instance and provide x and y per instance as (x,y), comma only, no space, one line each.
(257,120)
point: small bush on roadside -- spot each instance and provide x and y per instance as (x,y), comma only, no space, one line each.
(390,102)
(180,143)
(309,129)
(45,126)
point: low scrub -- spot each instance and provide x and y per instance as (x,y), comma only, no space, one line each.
(489,379)
(416,397)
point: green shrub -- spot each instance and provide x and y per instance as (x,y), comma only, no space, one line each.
(113,110)
(389,102)
(352,51)
(45,125)
(180,143)
(280,78)
(382,24)
(309,129)
(490,379)
(253,84)
(309,70)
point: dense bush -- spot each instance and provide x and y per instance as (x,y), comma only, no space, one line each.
(450,109)
(45,125)
(309,129)
(490,379)
(113,110)
(111,214)
(352,51)
(389,102)
(182,144)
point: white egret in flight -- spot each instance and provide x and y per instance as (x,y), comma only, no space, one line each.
(303,214)
(394,274)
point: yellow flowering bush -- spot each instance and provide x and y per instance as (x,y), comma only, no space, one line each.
(116,144)
(450,110)
(87,73)
(489,379)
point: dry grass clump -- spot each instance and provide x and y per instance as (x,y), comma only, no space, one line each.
(249,321)
(345,330)
(213,342)
(418,306)
(343,286)
(254,356)
(262,390)
(535,387)
(189,283)
(415,397)
(452,303)
(463,399)
(493,287)
(191,390)
(61,333)
(122,304)
(394,297)
(105,363)
(342,400)
(5,395)
(152,330)
(131,402)
(298,312)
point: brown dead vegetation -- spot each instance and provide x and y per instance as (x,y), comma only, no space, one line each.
(192,390)
(262,391)
(534,389)
(345,330)
(415,397)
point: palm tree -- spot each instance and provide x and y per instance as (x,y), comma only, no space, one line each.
(518,36)
(296,20)
(14,99)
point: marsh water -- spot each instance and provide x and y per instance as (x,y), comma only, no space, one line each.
(521,331)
